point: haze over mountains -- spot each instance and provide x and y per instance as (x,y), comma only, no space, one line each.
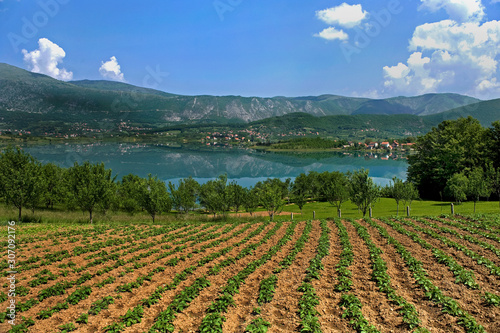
(27,97)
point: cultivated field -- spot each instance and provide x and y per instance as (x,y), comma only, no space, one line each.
(380,275)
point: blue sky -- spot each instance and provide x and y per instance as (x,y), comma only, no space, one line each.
(262,48)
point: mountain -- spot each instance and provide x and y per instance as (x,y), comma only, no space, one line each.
(36,101)
(486,112)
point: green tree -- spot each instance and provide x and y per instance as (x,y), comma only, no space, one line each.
(494,143)
(20,179)
(53,185)
(453,146)
(457,186)
(237,194)
(478,185)
(410,193)
(494,178)
(364,193)
(335,188)
(301,190)
(397,191)
(215,195)
(129,191)
(90,186)
(252,200)
(154,197)
(270,194)
(185,195)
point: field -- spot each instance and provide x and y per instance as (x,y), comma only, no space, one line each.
(382,275)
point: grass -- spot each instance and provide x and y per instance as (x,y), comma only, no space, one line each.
(383,208)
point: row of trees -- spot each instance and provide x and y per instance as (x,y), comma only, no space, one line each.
(26,183)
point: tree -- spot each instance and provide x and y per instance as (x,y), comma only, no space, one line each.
(270,194)
(20,179)
(154,197)
(455,145)
(185,195)
(397,191)
(237,194)
(478,186)
(252,200)
(364,193)
(53,186)
(129,192)
(301,190)
(90,186)
(215,195)
(335,188)
(410,193)
(457,187)
(494,143)
(493,176)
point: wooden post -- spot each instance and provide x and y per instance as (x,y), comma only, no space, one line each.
(407,210)
(340,213)
(452,209)
(314,214)
(292,216)
(371,212)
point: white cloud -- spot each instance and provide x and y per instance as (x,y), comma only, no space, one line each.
(111,70)
(344,15)
(332,33)
(459,57)
(46,59)
(457,10)
(397,72)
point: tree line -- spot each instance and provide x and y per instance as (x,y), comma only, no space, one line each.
(25,183)
(458,160)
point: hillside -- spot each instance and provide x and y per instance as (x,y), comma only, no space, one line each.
(35,101)
(486,112)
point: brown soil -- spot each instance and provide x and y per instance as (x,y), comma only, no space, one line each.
(282,311)
(469,300)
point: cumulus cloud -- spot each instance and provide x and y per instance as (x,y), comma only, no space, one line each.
(332,33)
(460,57)
(344,15)
(111,70)
(46,59)
(457,10)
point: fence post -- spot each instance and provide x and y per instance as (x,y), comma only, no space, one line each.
(408,211)
(314,214)
(340,213)
(371,212)
(292,216)
(452,209)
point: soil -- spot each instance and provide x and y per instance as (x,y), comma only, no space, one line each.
(281,312)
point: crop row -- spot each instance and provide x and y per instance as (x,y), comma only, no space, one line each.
(351,304)
(432,292)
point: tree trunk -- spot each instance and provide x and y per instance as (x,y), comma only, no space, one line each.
(474,207)
(20,213)
(90,211)
(397,210)
(153,216)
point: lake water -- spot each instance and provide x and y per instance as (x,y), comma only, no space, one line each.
(245,166)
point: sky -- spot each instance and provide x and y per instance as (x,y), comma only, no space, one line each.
(372,48)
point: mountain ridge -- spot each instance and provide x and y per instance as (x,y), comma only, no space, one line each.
(28,99)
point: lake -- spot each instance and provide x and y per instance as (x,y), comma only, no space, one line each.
(245,166)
